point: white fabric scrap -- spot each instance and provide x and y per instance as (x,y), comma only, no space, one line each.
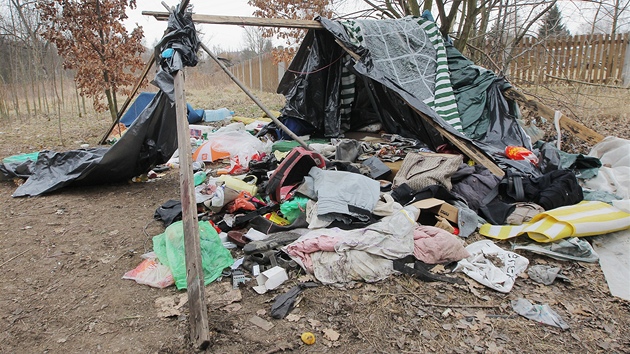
(483,270)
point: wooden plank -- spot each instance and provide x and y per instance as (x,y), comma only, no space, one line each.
(599,58)
(199,331)
(465,146)
(552,49)
(608,48)
(614,58)
(570,60)
(242,21)
(588,135)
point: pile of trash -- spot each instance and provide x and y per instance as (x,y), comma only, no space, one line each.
(348,210)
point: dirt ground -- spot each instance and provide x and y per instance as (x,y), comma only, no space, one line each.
(63,256)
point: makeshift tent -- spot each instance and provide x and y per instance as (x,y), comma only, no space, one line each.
(395,73)
(141,102)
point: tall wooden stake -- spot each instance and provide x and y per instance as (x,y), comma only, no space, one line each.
(199,332)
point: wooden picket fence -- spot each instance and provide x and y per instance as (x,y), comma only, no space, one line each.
(597,58)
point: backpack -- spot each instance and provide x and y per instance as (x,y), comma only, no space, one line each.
(291,171)
(552,190)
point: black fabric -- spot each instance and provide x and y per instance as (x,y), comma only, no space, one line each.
(312,90)
(403,194)
(284,303)
(169,212)
(552,190)
(496,211)
(151,139)
(181,36)
(476,186)
(422,271)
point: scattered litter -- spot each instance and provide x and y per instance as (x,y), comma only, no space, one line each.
(284,303)
(266,325)
(492,266)
(331,334)
(572,249)
(152,273)
(170,306)
(270,279)
(308,338)
(222,294)
(539,313)
(545,274)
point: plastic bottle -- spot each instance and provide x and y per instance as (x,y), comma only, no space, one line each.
(200,177)
(214,115)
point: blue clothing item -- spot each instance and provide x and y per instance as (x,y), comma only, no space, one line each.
(341,194)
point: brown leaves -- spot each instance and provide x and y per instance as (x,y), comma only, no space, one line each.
(90,37)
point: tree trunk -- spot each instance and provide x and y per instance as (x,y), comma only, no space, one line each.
(76,89)
(110,98)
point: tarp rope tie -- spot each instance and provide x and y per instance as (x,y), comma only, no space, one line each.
(314,71)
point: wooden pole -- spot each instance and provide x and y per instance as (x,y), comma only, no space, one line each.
(199,331)
(254,98)
(242,21)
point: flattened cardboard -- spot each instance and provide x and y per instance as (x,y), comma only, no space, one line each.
(438,207)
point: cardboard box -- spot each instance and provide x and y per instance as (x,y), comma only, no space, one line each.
(438,207)
(270,279)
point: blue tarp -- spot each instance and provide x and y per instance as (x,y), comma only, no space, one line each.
(143,100)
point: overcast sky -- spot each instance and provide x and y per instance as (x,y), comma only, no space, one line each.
(230,37)
(227,37)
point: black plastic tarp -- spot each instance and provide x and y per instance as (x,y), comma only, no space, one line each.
(149,141)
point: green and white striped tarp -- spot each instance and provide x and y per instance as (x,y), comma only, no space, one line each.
(409,51)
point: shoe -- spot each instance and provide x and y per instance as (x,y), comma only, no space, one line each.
(274,241)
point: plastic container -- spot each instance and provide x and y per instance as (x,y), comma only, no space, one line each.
(240,185)
(200,177)
(215,115)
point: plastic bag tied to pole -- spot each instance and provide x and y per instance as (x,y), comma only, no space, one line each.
(169,248)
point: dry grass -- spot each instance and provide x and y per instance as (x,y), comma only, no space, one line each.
(601,109)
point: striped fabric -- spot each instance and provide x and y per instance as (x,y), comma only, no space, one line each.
(410,51)
(348,80)
(588,218)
